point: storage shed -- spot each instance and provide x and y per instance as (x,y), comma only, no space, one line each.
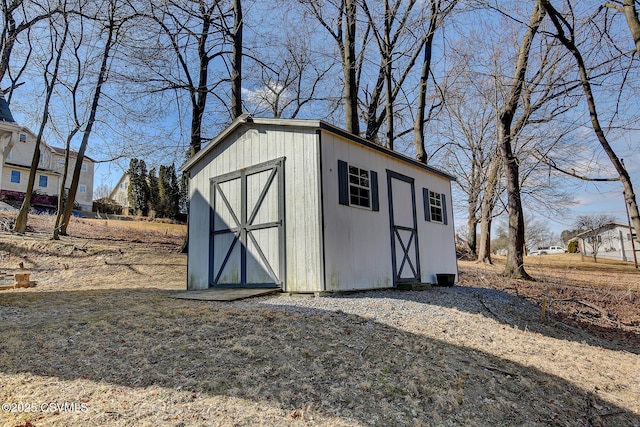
(304,206)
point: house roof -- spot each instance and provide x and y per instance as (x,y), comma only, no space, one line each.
(5,111)
(607,225)
(62,151)
(307,123)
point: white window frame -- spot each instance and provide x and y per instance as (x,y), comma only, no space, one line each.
(359,184)
(46,181)
(83,168)
(22,137)
(17,174)
(82,188)
(435,207)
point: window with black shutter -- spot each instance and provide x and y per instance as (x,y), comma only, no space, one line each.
(357,186)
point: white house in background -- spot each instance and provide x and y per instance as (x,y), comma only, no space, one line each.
(18,144)
(306,207)
(120,193)
(612,241)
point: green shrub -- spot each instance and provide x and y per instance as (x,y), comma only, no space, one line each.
(573,247)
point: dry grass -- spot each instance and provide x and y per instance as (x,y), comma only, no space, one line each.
(100,330)
(603,298)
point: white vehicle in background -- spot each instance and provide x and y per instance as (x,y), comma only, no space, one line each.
(549,250)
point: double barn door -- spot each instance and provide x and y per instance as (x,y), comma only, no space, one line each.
(247,227)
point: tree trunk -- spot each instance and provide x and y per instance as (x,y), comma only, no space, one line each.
(388,67)
(63,183)
(486,212)
(514,267)
(349,69)
(472,234)
(236,61)
(631,14)
(568,42)
(418,125)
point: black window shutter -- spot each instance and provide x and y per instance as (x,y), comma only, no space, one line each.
(444,208)
(375,203)
(343,183)
(427,208)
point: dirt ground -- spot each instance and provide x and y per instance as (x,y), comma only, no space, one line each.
(99,341)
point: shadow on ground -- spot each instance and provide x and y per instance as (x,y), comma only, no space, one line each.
(502,306)
(333,365)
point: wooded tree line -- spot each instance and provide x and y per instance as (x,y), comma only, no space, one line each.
(161,194)
(516,99)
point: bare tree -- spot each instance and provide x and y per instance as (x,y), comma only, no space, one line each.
(18,16)
(74,73)
(565,33)
(343,32)
(203,38)
(112,24)
(401,36)
(628,8)
(468,133)
(287,78)
(514,266)
(58,38)
(439,10)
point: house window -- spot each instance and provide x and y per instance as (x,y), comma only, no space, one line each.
(43,181)
(60,162)
(41,159)
(15,177)
(84,167)
(23,137)
(82,188)
(435,206)
(357,186)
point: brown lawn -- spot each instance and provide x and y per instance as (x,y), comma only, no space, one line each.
(100,341)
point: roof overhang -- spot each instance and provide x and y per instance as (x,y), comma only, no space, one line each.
(28,168)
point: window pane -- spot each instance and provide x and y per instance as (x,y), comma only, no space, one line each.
(353,179)
(353,170)
(15,177)
(43,181)
(364,198)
